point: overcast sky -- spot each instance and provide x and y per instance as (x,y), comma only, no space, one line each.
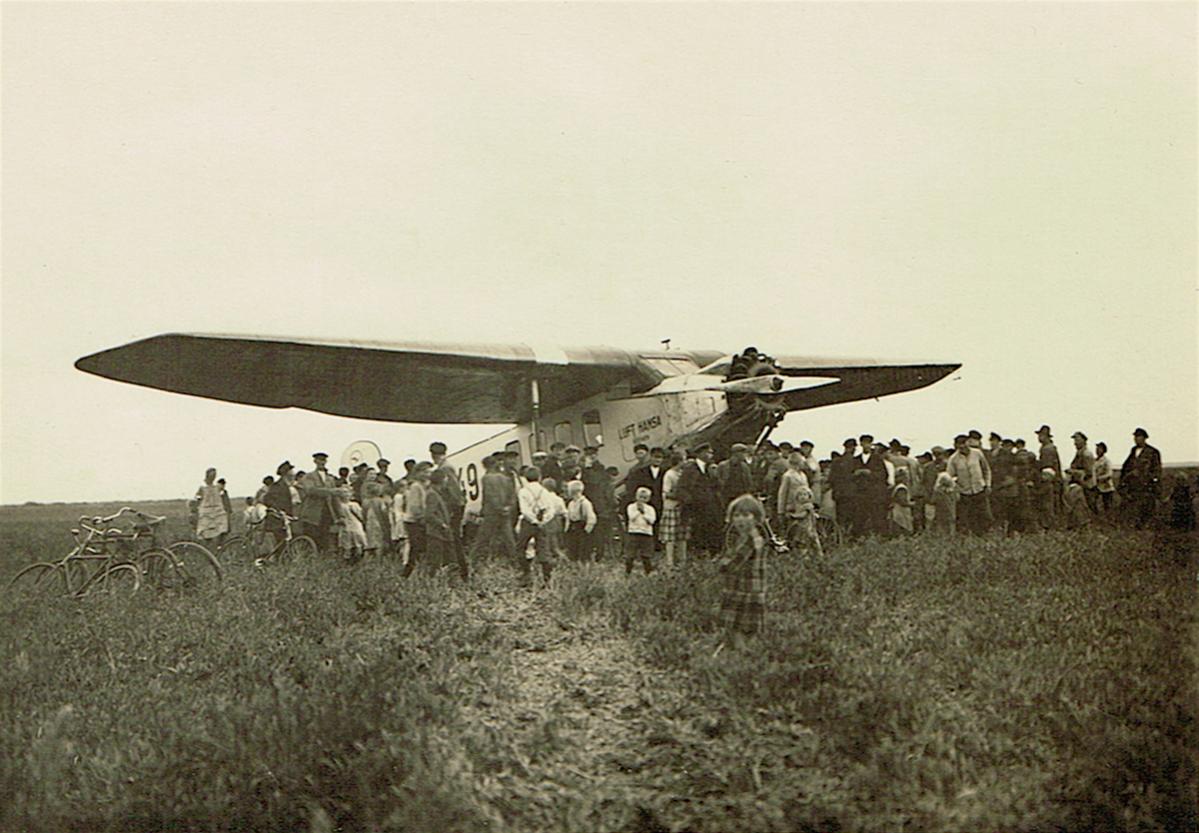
(1010,186)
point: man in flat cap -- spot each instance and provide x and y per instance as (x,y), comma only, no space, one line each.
(317,509)
(699,494)
(279,497)
(454,497)
(599,489)
(382,476)
(733,475)
(1084,464)
(1048,457)
(1140,479)
(874,478)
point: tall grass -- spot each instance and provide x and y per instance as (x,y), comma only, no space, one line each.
(1043,683)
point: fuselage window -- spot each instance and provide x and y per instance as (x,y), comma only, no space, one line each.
(593,431)
(564,433)
(537,443)
(515,446)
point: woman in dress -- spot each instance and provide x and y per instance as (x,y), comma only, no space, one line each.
(743,605)
(212,519)
(399,519)
(902,522)
(376,511)
(672,531)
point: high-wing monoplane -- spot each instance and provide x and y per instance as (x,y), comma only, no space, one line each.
(600,396)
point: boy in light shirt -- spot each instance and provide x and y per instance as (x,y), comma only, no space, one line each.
(580,521)
(641,518)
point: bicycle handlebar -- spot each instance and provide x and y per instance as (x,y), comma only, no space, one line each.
(270,510)
(124,510)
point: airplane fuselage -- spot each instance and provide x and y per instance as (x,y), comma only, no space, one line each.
(615,426)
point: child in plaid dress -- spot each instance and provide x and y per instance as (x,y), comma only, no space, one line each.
(743,605)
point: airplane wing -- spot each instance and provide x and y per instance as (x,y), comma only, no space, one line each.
(856,379)
(393,382)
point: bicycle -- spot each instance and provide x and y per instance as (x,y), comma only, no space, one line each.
(118,560)
(290,546)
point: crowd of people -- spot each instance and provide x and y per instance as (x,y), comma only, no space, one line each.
(675,505)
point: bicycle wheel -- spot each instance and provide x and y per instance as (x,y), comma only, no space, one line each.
(40,577)
(124,579)
(301,547)
(160,569)
(236,548)
(196,564)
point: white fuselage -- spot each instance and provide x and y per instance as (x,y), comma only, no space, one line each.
(614,425)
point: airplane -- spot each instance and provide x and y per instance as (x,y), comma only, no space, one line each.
(580,396)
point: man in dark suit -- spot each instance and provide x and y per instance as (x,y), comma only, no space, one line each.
(840,480)
(499,512)
(650,476)
(1140,479)
(598,487)
(700,498)
(454,497)
(734,475)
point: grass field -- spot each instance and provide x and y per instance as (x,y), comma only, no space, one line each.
(1040,684)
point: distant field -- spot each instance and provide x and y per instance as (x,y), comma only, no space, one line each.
(1044,683)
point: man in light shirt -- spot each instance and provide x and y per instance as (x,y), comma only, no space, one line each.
(536,510)
(970,471)
(1084,463)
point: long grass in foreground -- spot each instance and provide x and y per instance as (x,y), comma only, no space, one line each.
(1042,683)
(1045,683)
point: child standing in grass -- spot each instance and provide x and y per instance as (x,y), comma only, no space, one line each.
(945,504)
(743,605)
(398,520)
(1046,498)
(376,519)
(640,521)
(351,537)
(902,522)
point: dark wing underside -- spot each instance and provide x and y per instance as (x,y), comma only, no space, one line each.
(400,382)
(857,379)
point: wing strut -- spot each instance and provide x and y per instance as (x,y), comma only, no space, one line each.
(535,395)
(775,418)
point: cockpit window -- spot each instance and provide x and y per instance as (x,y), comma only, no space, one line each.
(671,366)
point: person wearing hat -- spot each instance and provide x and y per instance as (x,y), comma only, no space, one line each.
(649,476)
(811,466)
(840,481)
(1008,478)
(1084,462)
(550,469)
(598,486)
(382,476)
(734,475)
(1140,479)
(699,495)
(874,478)
(452,492)
(415,504)
(971,474)
(1048,457)
(279,498)
(317,510)
(571,462)
(499,510)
